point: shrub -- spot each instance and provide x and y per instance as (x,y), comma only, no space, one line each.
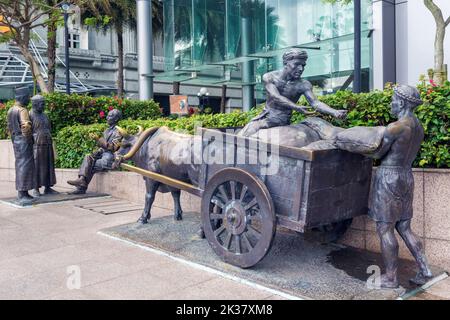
(3,122)
(373,109)
(73,142)
(68,110)
(434,115)
(366,109)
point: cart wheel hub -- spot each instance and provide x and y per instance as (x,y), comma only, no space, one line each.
(236,219)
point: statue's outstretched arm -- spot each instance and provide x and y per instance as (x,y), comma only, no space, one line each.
(320,106)
(280,100)
(390,135)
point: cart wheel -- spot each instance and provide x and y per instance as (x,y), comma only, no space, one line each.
(333,232)
(238,217)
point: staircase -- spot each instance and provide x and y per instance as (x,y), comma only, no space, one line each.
(15,72)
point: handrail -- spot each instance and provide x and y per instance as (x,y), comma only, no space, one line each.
(60,60)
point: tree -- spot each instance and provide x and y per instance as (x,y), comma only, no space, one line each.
(54,19)
(117,14)
(439,74)
(21,17)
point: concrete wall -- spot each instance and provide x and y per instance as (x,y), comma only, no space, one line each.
(431,206)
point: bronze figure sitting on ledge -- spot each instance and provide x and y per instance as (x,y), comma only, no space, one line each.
(103,158)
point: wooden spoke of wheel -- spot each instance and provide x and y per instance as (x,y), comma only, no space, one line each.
(233,190)
(246,244)
(243,193)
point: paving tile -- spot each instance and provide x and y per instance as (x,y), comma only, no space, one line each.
(138,286)
(218,288)
(36,285)
(441,289)
(33,245)
(16,267)
(74,294)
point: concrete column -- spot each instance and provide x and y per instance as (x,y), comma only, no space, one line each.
(248,91)
(145,49)
(357,46)
(384,43)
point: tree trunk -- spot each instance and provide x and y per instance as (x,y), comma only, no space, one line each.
(51,55)
(441,24)
(35,70)
(120,78)
(438,76)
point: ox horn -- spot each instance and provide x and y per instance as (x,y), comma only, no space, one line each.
(141,129)
(141,139)
(124,133)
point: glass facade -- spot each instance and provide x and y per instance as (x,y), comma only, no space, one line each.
(210,42)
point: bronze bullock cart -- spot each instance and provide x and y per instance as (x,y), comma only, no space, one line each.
(244,200)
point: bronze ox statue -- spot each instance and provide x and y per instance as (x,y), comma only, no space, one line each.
(164,152)
(171,154)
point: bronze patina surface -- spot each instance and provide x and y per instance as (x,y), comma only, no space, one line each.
(20,129)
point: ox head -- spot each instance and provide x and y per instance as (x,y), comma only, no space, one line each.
(130,144)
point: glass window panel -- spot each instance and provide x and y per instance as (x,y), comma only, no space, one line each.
(233,25)
(200,32)
(169,35)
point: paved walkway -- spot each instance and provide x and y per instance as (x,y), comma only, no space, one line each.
(42,249)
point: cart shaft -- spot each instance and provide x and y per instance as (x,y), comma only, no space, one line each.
(165,180)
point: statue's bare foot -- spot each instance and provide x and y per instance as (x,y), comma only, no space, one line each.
(388,282)
(420,279)
(50,191)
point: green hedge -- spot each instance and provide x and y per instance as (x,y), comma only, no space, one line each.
(367,109)
(3,122)
(73,142)
(373,109)
(68,110)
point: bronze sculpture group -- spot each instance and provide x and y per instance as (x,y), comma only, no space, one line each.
(391,197)
(33,147)
(396,145)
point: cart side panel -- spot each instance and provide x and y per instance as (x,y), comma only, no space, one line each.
(231,151)
(339,188)
(285,186)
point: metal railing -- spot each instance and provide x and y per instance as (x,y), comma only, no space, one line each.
(14,71)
